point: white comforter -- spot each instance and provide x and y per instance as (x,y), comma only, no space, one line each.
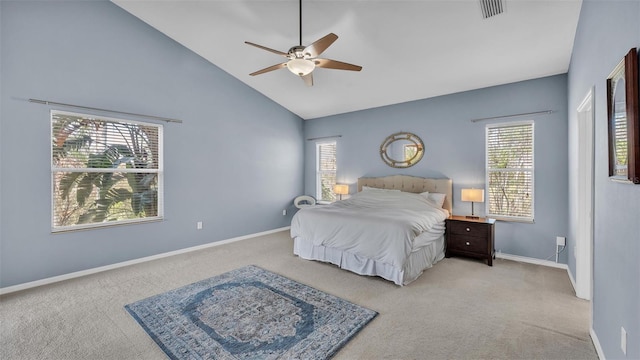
(379,225)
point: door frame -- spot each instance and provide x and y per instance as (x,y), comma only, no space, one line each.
(585,197)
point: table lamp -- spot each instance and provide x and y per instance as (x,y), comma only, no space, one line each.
(341,189)
(472,195)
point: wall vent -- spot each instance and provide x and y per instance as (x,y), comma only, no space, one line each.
(491,8)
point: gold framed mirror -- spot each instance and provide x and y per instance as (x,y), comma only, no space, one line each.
(402,150)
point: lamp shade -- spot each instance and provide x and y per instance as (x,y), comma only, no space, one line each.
(341,189)
(474,195)
(301,67)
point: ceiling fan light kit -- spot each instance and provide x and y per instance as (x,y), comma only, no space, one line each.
(303,60)
(301,67)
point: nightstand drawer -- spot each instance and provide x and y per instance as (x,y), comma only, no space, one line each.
(469,244)
(468,228)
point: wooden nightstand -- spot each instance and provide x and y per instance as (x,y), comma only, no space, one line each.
(470,237)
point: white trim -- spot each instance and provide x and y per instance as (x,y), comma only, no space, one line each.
(584,198)
(510,123)
(318,193)
(73,275)
(596,344)
(104,170)
(520,219)
(159,171)
(524,219)
(319,172)
(573,281)
(529,260)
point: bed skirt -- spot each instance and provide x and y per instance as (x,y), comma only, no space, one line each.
(419,260)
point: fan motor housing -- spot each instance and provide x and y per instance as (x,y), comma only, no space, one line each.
(297,52)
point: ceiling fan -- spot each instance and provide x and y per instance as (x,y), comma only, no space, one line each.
(303,60)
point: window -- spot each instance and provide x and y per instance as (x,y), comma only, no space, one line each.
(325,171)
(620,147)
(510,171)
(104,171)
(410,151)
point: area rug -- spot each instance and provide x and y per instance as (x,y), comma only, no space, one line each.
(249,313)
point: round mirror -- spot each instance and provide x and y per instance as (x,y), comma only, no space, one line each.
(402,150)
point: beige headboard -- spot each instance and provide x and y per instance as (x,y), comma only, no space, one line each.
(413,184)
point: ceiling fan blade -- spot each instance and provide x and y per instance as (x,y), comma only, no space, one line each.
(338,65)
(315,49)
(270,68)
(308,79)
(266,48)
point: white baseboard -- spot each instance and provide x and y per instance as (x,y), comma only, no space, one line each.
(573,281)
(54,279)
(529,260)
(596,343)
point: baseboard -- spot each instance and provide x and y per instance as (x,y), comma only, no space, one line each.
(529,260)
(77,274)
(573,281)
(596,344)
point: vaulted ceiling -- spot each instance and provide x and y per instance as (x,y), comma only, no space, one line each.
(409,50)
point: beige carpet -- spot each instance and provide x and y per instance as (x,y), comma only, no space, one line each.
(459,309)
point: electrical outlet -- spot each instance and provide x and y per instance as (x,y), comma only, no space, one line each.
(199,225)
(561,241)
(623,340)
(284,212)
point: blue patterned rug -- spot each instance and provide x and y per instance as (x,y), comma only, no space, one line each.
(249,313)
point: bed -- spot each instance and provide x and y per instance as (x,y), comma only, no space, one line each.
(393,227)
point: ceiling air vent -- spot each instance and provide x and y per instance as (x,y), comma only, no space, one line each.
(491,8)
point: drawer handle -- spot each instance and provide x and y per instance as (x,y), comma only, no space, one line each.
(467,243)
(468,229)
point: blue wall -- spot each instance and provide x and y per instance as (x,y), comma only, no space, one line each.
(606,32)
(235,163)
(455,148)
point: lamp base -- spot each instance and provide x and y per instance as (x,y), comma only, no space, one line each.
(472,216)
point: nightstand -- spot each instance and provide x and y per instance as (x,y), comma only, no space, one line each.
(470,237)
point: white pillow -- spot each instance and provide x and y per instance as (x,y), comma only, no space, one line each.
(436,198)
(369,188)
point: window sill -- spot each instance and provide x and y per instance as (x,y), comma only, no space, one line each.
(97,226)
(512,219)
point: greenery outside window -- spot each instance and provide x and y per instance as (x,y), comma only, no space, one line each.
(325,171)
(104,171)
(510,171)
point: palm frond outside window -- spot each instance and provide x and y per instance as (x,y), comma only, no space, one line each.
(104,171)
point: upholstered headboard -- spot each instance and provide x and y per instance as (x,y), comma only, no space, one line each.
(413,184)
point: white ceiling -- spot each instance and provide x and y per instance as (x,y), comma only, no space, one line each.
(409,50)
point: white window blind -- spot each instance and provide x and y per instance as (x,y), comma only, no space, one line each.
(510,171)
(104,171)
(325,171)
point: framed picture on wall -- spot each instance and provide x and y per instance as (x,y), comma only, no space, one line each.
(624,120)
